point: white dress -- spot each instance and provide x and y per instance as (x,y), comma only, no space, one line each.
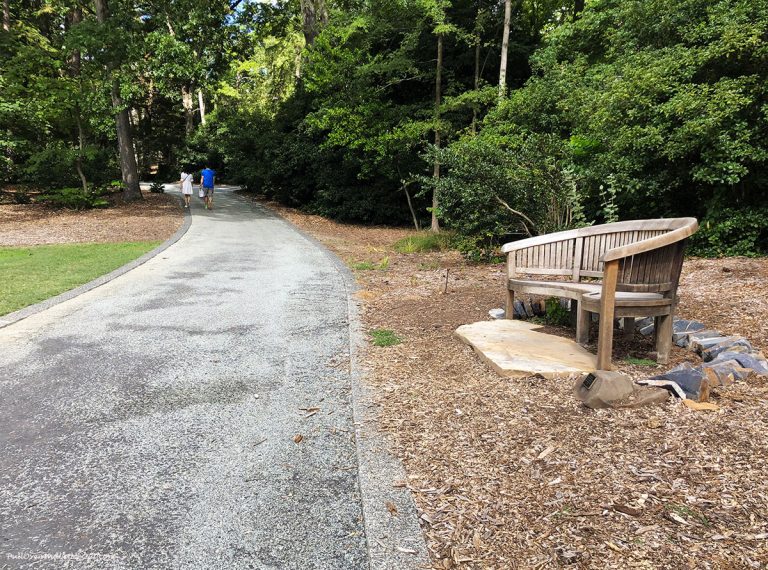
(186,183)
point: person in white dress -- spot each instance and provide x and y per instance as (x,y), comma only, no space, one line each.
(186,186)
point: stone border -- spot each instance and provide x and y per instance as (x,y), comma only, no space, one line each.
(393,541)
(30,310)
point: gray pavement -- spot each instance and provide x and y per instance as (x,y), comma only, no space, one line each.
(151,422)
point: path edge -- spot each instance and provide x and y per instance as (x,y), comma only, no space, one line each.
(28,311)
(394,542)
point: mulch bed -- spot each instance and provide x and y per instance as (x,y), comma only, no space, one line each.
(156,217)
(515,473)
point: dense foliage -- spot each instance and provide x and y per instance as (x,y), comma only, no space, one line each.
(384,112)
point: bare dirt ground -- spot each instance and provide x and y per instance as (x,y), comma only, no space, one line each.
(156,217)
(515,473)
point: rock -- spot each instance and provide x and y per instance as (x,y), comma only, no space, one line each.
(528,308)
(684,326)
(725,373)
(698,344)
(647,330)
(645,396)
(520,310)
(497,313)
(701,336)
(539,308)
(727,346)
(755,362)
(603,389)
(684,381)
(644,322)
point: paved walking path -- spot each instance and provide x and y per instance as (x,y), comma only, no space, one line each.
(152,422)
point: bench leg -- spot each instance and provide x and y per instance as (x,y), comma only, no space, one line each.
(663,338)
(607,310)
(629,327)
(510,308)
(582,325)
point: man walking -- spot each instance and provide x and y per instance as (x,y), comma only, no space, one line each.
(207,179)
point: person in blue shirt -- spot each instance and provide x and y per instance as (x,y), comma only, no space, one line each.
(207,179)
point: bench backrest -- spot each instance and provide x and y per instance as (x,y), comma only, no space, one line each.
(579,254)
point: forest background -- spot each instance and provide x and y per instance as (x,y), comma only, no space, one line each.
(493,119)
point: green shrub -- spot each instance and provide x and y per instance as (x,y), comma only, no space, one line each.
(74,199)
(424,242)
(556,314)
(640,361)
(385,337)
(157,187)
(499,188)
(729,232)
(21,197)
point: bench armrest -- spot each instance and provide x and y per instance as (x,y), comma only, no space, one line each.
(652,243)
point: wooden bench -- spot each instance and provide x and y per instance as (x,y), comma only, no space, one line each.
(625,269)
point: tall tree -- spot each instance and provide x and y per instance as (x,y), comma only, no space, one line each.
(435,225)
(504,48)
(7,15)
(314,15)
(128,166)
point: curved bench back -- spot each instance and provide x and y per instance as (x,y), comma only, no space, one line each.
(650,253)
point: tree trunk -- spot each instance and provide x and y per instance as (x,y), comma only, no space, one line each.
(435,227)
(189,114)
(75,17)
(201,104)
(128,167)
(578,8)
(504,49)
(131,190)
(314,16)
(6,15)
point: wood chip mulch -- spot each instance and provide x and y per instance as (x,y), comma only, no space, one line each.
(155,218)
(515,473)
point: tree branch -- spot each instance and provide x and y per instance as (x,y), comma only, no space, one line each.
(508,207)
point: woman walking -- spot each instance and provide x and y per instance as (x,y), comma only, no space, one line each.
(186,186)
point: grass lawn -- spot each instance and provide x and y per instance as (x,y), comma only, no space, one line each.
(34,273)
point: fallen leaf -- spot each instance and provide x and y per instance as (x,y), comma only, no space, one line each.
(677,518)
(627,510)
(612,546)
(297,438)
(644,529)
(391,508)
(546,452)
(406,550)
(655,423)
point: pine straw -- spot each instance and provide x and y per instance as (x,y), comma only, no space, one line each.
(156,217)
(514,473)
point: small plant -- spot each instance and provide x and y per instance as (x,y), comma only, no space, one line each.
(74,199)
(640,361)
(21,197)
(385,337)
(687,512)
(157,187)
(384,263)
(363,266)
(556,314)
(430,265)
(424,242)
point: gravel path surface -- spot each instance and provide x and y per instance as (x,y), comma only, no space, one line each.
(154,422)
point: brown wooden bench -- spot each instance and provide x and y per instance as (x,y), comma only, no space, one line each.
(625,269)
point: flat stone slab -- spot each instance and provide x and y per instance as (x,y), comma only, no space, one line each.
(518,349)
